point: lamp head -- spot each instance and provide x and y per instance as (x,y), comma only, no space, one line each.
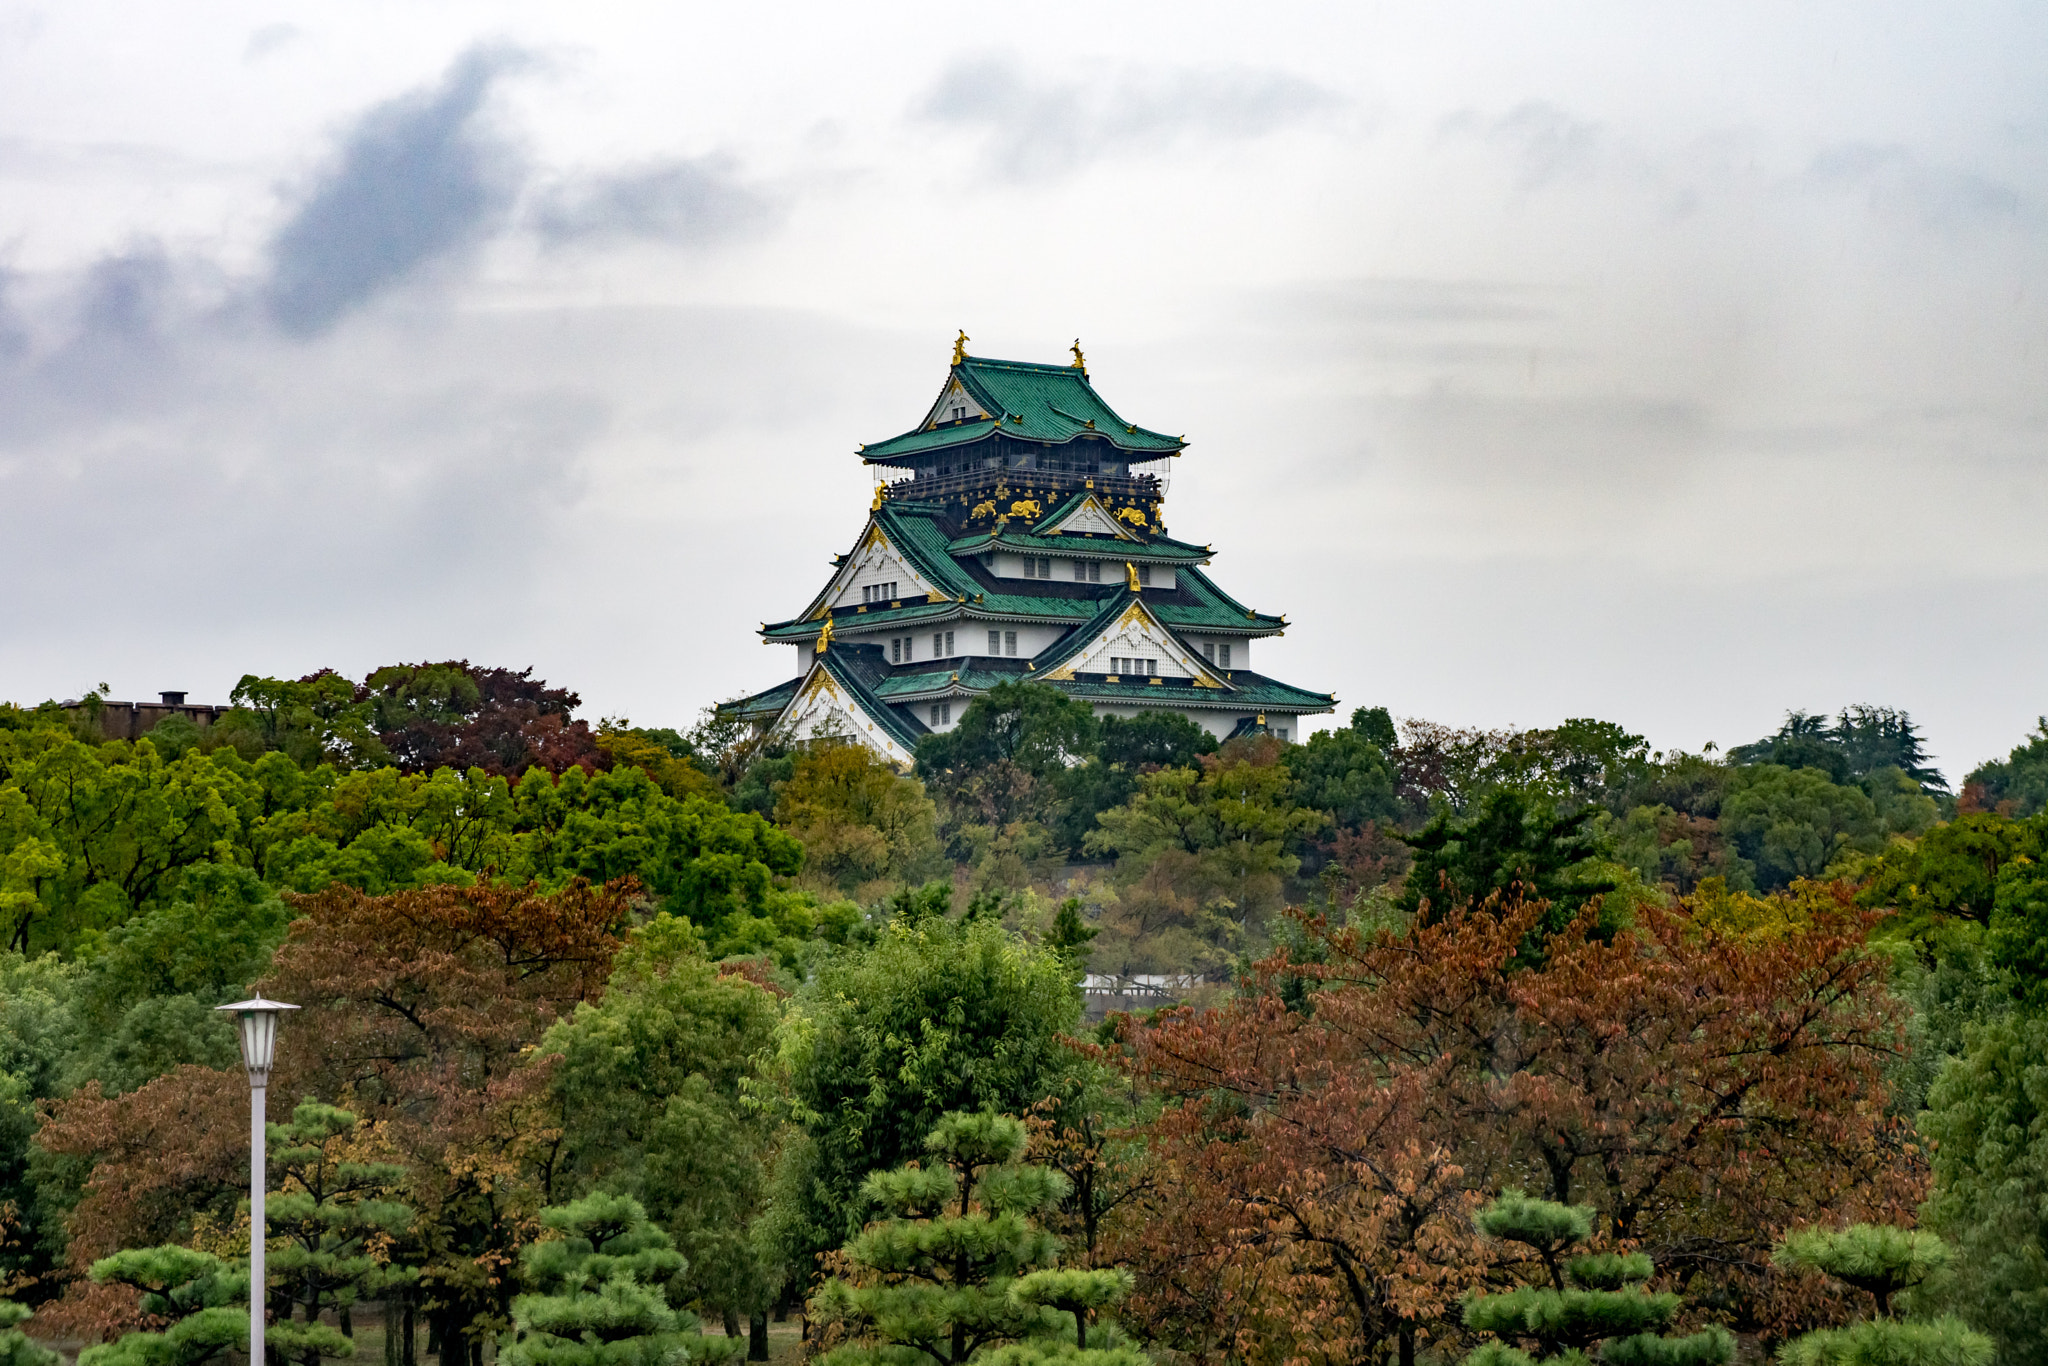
(256,1019)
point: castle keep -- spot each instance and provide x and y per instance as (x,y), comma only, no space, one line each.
(1020,535)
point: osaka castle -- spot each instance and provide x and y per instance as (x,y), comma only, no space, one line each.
(1019,534)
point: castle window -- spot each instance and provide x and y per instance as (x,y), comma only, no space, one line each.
(1209,650)
(1223,655)
(942,713)
(1087,571)
(995,642)
(1030,566)
(1152,668)
(1144,576)
(1009,642)
(895,650)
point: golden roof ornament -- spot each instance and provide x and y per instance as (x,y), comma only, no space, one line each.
(960,346)
(824,638)
(1080,361)
(1132,570)
(876,506)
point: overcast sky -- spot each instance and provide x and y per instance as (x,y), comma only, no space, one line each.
(1675,365)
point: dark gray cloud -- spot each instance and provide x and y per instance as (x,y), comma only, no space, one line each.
(417,179)
(1040,129)
(688,202)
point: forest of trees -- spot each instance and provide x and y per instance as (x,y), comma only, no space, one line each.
(620,1045)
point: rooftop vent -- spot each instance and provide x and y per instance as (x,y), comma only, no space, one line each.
(172,699)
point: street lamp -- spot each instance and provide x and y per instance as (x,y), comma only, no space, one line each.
(257,1021)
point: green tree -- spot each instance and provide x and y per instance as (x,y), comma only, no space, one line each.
(1881,1261)
(598,1298)
(39,1030)
(1794,822)
(1038,728)
(651,1100)
(337,1220)
(1221,832)
(205,1298)
(1987,1125)
(1346,772)
(1952,870)
(937,1015)
(2018,938)
(15,1347)
(859,820)
(1515,847)
(2018,782)
(1592,1298)
(960,1265)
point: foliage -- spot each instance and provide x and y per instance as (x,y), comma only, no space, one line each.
(1598,1298)
(859,820)
(1218,836)
(650,1102)
(15,1347)
(2017,784)
(1987,1121)
(936,1016)
(1702,1092)
(598,1298)
(1514,846)
(1791,823)
(195,1290)
(1952,870)
(2018,937)
(1856,745)
(1346,772)
(423,1006)
(334,1214)
(1880,1261)
(959,1264)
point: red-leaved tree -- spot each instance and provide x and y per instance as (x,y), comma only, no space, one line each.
(1327,1135)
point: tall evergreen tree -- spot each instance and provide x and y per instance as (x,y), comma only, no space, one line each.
(335,1217)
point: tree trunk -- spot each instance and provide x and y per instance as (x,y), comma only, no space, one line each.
(731,1323)
(348,1322)
(409,1358)
(757,1336)
(390,1331)
(476,1352)
(1407,1344)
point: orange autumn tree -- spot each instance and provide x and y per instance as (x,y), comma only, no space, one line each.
(420,1008)
(1703,1092)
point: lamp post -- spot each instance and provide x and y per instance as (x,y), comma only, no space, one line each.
(256,1019)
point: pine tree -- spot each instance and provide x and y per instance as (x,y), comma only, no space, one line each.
(206,1296)
(959,1267)
(599,1295)
(1882,1261)
(1593,1298)
(336,1224)
(15,1348)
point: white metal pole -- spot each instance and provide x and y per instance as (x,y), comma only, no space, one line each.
(258,1226)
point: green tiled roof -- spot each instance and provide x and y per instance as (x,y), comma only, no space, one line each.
(1156,550)
(916,530)
(1049,403)
(1249,691)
